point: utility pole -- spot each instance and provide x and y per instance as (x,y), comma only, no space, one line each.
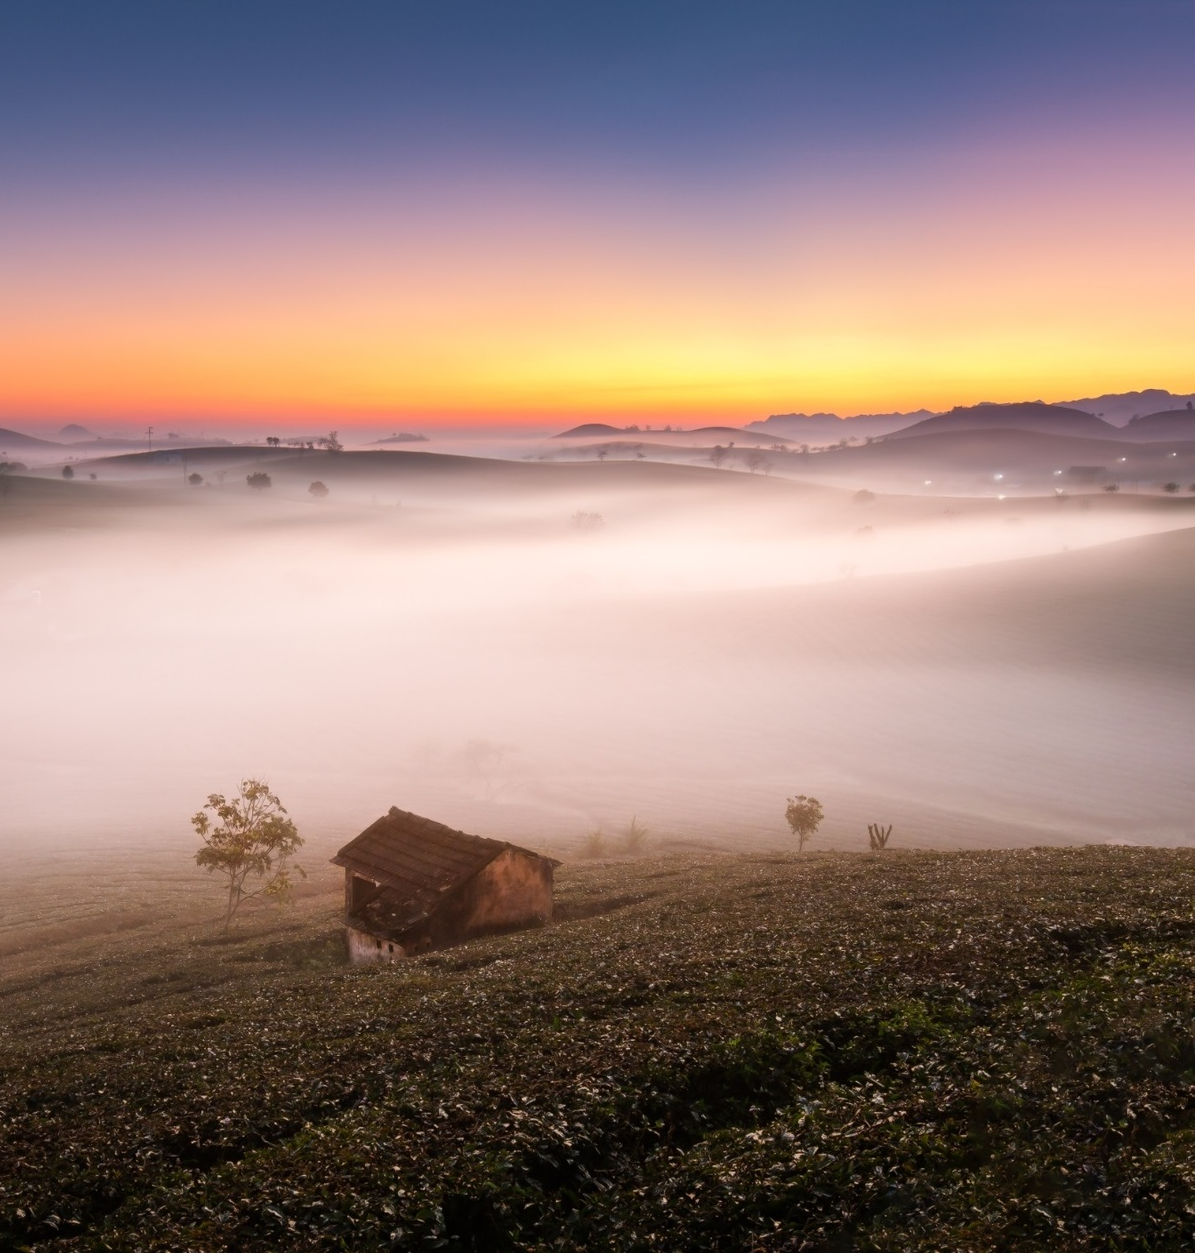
(149,438)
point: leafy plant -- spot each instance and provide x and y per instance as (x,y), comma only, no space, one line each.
(251,837)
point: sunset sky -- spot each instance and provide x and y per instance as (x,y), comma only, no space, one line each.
(524,214)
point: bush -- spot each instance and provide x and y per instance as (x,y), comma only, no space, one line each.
(634,836)
(195,479)
(258,480)
(594,844)
(67,472)
(318,490)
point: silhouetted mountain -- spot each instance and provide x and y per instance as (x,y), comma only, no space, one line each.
(1120,408)
(1031,415)
(821,428)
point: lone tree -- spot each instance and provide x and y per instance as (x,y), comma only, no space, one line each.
(804,816)
(67,472)
(259,480)
(247,836)
(318,490)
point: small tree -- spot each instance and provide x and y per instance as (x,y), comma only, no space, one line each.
(259,480)
(878,836)
(195,479)
(1111,487)
(331,442)
(67,472)
(318,490)
(718,455)
(1170,487)
(804,816)
(250,837)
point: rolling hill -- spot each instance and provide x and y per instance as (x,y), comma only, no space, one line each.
(1024,416)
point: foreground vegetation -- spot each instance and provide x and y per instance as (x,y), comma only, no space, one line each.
(970,1051)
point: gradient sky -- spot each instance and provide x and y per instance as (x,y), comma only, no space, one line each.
(422,214)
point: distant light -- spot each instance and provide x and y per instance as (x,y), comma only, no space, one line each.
(1057,471)
(1120,458)
(1174,454)
(999,476)
(928,482)
(999,497)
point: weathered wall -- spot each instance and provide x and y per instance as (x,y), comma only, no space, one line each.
(514,890)
(364,947)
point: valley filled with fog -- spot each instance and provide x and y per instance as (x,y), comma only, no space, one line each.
(531,650)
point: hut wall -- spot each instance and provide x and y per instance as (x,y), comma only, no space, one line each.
(364,947)
(514,890)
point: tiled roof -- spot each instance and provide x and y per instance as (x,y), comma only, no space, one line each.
(417,858)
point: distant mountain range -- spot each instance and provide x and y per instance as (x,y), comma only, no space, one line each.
(603,430)
(809,428)
(1122,407)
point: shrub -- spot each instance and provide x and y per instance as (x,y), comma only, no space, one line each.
(594,844)
(318,490)
(258,480)
(67,472)
(634,836)
(195,479)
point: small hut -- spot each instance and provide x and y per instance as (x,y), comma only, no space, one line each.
(411,884)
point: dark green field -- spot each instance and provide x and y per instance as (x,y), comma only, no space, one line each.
(903,1051)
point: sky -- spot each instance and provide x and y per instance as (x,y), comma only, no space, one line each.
(427,215)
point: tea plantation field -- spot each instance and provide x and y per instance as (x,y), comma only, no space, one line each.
(894,1051)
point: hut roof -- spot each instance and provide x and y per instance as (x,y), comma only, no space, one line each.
(417,858)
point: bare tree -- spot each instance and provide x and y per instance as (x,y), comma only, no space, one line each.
(878,836)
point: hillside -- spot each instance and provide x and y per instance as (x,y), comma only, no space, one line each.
(1169,424)
(1026,416)
(899,1051)
(11,440)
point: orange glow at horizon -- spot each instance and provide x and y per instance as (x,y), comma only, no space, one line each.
(989,276)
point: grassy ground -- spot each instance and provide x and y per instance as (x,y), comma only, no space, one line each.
(913,1051)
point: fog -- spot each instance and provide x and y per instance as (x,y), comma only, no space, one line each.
(531,650)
